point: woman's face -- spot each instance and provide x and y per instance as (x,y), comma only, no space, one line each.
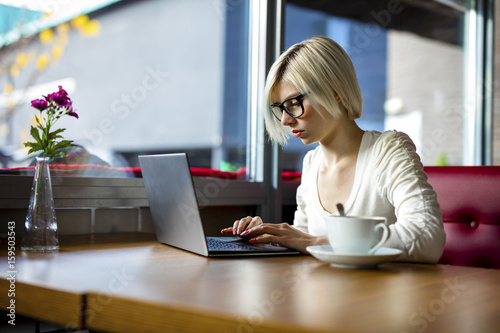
(312,126)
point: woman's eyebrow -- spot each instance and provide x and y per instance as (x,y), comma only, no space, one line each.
(295,94)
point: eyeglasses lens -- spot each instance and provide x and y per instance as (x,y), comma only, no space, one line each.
(292,106)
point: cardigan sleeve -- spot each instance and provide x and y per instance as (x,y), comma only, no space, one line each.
(418,231)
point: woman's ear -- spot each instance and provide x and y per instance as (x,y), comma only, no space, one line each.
(339,102)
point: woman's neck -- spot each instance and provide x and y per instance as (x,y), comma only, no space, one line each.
(343,143)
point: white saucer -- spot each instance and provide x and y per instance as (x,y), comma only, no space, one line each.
(381,255)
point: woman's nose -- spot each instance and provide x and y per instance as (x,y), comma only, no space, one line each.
(286,120)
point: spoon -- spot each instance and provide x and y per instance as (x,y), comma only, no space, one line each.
(340,207)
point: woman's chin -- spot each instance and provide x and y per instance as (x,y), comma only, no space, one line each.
(307,141)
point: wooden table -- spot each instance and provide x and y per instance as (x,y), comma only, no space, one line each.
(131,283)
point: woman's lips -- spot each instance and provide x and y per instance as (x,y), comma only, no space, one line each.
(297,133)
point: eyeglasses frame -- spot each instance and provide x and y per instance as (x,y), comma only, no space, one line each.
(283,108)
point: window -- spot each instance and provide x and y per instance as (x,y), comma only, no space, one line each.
(412,75)
(158,77)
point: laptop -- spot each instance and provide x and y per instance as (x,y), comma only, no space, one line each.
(176,216)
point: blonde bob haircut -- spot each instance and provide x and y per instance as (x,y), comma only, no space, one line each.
(321,70)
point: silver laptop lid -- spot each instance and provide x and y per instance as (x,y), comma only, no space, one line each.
(172,201)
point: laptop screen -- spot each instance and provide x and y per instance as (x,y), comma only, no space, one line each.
(172,201)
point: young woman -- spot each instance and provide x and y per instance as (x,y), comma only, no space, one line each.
(312,93)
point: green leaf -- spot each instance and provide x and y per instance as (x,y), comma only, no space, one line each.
(57,149)
(34,147)
(35,135)
(63,144)
(44,140)
(32,144)
(32,150)
(55,135)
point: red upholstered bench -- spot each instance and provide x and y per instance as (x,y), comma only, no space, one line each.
(470,201)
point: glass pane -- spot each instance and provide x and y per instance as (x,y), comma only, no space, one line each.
(153,77)
(411,74)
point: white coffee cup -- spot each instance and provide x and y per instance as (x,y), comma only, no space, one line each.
(356,234)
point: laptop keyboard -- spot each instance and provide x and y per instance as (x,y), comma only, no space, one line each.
(215,244)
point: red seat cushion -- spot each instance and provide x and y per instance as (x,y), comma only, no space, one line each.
(470,200)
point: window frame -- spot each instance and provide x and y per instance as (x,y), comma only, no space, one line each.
(478,83)
(263,156)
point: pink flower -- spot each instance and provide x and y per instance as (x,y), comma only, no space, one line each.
(71,113)
(39,104)
(46,137)
(59,97)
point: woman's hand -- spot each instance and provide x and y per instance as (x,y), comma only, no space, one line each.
(240,226)
(282,234)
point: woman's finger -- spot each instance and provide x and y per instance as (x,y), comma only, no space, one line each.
(283,234)
(266,239)
(240,225)
(227,231)
(256,220)
(281,229)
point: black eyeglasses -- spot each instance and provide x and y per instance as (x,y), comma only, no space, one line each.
(292,106)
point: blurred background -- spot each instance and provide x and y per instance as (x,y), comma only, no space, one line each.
(158,76)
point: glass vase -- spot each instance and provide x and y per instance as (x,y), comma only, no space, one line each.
(40,232)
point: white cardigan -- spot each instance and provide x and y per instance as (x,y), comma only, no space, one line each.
(389,182)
